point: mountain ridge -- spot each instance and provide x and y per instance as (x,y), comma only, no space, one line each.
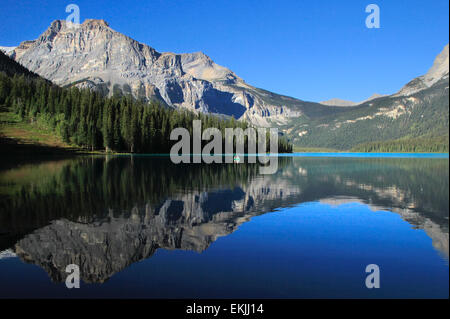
(97,57)
(343,103)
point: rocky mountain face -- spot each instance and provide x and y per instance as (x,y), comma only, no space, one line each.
(95,56)
(419,110)
(439,71)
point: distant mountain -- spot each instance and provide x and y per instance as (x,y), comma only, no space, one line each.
(340,102)
(419,110)
(95,56)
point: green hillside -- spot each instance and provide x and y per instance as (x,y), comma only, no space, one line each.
(421,119)
(411,145)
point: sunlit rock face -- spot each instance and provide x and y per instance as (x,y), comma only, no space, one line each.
(438,71)
(95,56)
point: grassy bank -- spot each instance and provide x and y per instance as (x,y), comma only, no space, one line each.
(12,127)
(24,138)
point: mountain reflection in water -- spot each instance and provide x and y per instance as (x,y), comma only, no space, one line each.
(106,213)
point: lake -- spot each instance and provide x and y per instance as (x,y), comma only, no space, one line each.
(142,227)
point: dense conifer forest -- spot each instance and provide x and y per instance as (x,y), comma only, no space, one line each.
(89,120)
(410,145)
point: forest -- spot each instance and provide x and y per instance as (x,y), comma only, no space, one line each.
(87,119)
(437,144)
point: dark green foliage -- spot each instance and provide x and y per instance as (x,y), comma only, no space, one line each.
(423,115)
(89,120)
(413,145)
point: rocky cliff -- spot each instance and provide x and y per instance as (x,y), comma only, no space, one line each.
(419,110)
(439,71)
(95,56)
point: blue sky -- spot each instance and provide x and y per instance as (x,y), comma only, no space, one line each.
(312,50)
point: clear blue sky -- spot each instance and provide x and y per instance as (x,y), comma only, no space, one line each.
(313,49)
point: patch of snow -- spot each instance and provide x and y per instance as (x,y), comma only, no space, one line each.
(8,253)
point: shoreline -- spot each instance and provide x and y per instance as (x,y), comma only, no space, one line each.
(11,147)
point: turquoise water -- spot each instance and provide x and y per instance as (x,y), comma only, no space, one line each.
(370,155)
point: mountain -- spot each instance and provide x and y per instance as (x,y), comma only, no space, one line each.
(86,119)
(95,56)
(417,114)
(439,71)
(340,102)
(7,49)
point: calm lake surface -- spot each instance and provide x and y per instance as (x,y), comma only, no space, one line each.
(143,227)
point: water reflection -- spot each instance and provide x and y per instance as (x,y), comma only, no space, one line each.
(105,213)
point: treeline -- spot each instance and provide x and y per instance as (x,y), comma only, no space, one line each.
(89,120)
(414,145)
(10,67)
